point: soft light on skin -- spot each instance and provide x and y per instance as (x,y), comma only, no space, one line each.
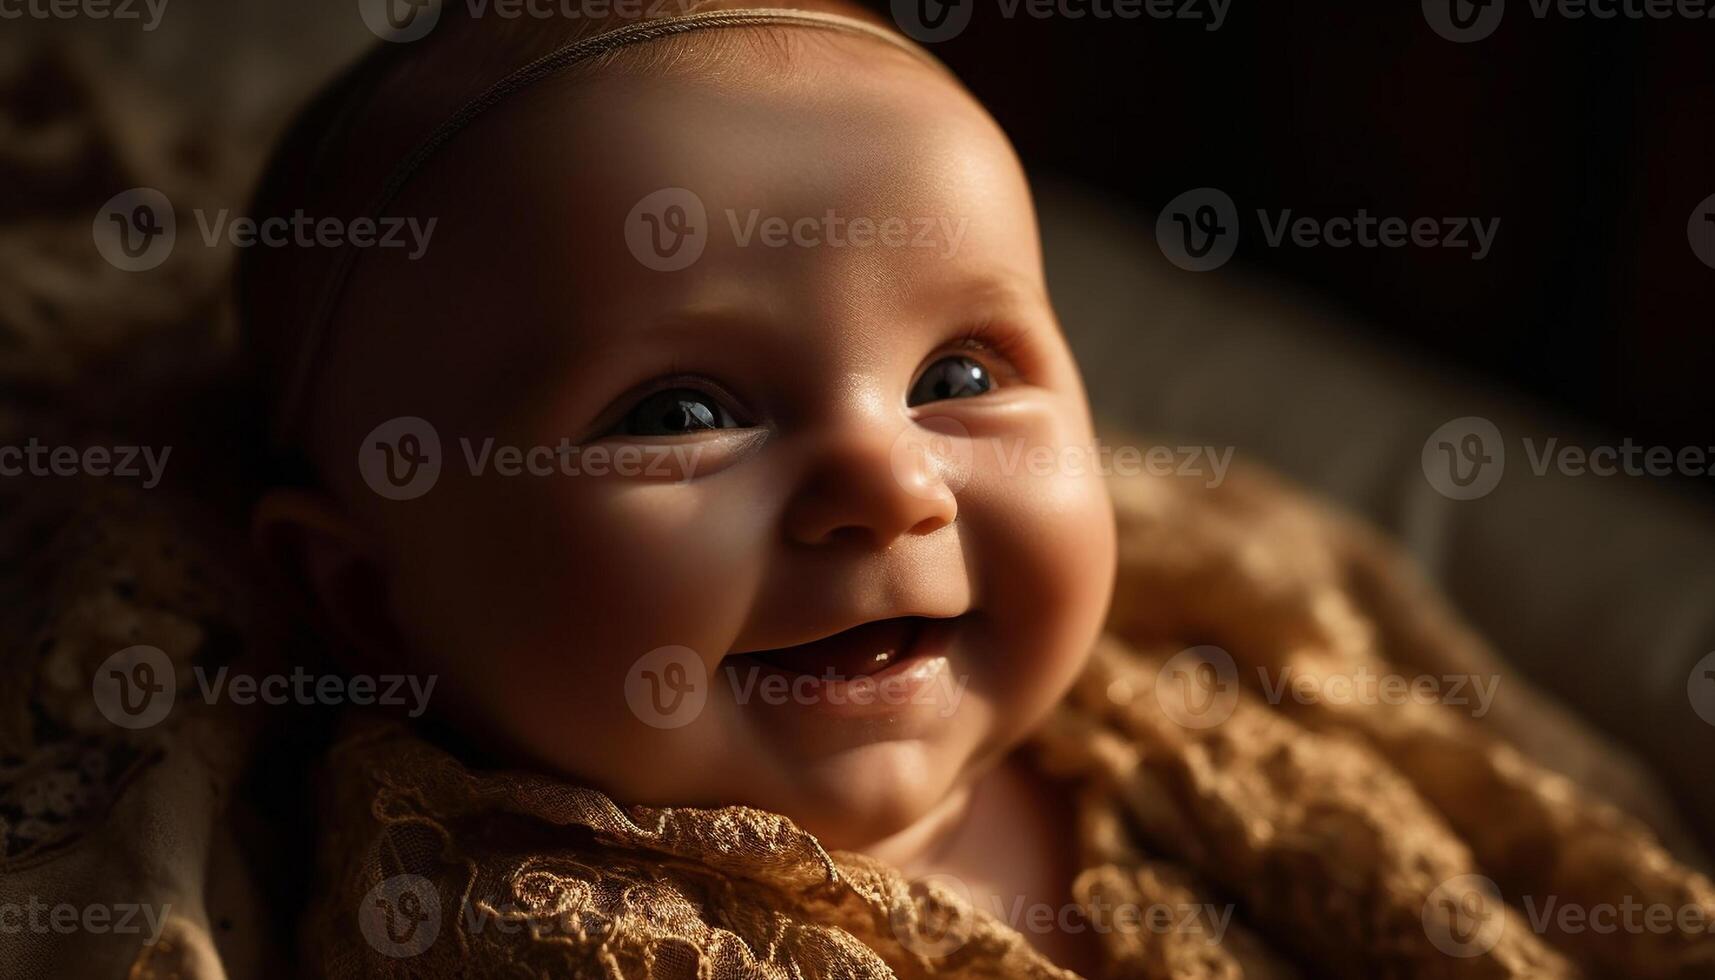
(529,320)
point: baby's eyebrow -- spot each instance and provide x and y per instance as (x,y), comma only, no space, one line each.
(606,341)
(691,323)
(991,294)
(958,302)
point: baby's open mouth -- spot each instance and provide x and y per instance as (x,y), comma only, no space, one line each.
(858,652)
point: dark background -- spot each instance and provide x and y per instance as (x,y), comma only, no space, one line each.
(1591,140)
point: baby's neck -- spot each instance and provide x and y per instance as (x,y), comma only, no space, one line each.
(1006,802)
(917,848)
(1009,810)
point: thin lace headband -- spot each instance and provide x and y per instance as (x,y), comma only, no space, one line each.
(315,331)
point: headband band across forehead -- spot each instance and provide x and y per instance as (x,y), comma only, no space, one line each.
(301,370)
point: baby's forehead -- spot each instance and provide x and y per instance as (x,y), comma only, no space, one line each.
(831,162)
(760,125)
(595,198)
(834,128)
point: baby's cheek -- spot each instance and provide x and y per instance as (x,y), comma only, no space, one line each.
(654,563)
(567,584)
(1041,539)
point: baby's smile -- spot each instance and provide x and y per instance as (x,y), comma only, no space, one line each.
(887,668)
(864,650)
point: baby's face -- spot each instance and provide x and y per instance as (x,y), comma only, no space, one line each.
(839,439)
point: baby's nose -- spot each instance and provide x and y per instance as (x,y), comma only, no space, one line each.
(874,487)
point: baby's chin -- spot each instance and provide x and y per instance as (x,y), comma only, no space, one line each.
(864,795)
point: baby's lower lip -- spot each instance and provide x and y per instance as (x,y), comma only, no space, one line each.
(861,651)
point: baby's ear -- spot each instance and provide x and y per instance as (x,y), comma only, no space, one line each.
(330,568)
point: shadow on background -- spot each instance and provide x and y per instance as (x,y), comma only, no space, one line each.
(1592,141)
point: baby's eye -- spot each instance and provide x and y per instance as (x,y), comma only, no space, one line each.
(954,376)
(675,411)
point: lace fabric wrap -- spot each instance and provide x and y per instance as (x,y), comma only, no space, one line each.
(1350,836)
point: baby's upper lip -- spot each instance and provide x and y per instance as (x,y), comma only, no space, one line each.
(850,625)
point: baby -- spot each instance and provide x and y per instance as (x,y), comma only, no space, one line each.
(823,593)
(694,457)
